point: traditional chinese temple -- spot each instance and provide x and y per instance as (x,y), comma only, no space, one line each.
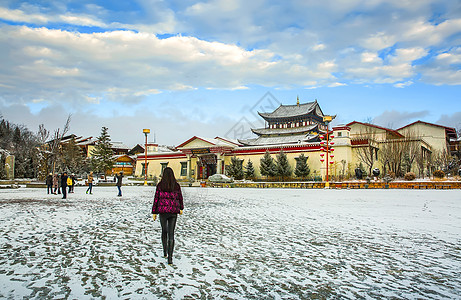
(295,129)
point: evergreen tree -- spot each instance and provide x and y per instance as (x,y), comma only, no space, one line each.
(282,166)
(302,169)
(267,165)
(235,169)
(249,170)
(102,154)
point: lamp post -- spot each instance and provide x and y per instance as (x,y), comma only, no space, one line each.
(327,148)
(146,132)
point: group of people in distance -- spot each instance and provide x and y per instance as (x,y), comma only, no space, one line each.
(57,183)
(168,201)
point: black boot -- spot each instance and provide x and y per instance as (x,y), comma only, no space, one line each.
(170,251)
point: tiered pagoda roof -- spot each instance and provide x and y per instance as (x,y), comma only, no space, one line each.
(283,139)
(289,124)
(293,111)
(278,131)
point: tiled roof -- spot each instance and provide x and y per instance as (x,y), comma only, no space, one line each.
(268,131)
(284,111)
(119,145)
(277,140)
(395,132)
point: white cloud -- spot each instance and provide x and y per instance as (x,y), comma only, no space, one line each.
(226,45)
(17,15)
(403,84)
(396,119)
(406,55)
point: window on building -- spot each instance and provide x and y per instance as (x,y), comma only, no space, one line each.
(183,168)
(340,134)
(164,165)
(144,168)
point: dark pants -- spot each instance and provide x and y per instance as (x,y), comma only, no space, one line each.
(168,223)
(119,190)
(49,188)
(90,188)
(64,192)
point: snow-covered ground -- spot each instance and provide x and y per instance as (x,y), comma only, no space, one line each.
(232,244)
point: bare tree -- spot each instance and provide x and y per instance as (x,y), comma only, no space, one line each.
(55,144)
(410,149)
(367,147)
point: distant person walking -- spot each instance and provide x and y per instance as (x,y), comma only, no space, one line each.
(119,177)
(70,183)
(90,183)
(168,203)
(73,183)
(59,184)
(49,183)
(64,185)
(55,183)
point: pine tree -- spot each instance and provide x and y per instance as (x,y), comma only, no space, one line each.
(302,169)
(283,167)
(235,169)
(267,165)
(249,170)
(102,154)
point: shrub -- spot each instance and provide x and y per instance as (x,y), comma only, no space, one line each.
(410,176)
(438,174)
(387,178)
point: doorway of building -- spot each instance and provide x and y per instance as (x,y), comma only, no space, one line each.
(206,165)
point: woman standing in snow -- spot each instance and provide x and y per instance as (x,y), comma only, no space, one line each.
(168,203)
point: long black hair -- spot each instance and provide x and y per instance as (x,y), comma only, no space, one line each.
(168,182)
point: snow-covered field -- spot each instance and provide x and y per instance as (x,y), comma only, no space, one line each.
(232,244)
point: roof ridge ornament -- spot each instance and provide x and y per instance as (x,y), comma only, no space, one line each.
(297,100)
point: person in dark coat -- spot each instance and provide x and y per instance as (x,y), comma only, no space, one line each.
(49,183)
(64,185)
(168,203)
(119,177)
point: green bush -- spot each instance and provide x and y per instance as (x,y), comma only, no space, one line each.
(439,174)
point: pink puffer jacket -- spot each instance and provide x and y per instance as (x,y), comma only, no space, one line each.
(167,202)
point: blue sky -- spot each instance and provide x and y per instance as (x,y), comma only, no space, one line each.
(185,68)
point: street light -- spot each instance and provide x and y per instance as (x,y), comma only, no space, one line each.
(146,132)
(327,147)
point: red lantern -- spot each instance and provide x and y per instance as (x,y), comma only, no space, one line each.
(322,137)
(322,160)
(331,149)
(332,136)
(332,143)
(331,155)
(322,154)
(322,149)
(332,162)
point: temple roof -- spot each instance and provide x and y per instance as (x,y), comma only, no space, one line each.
(277,140)
(294,130)
(288,111)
